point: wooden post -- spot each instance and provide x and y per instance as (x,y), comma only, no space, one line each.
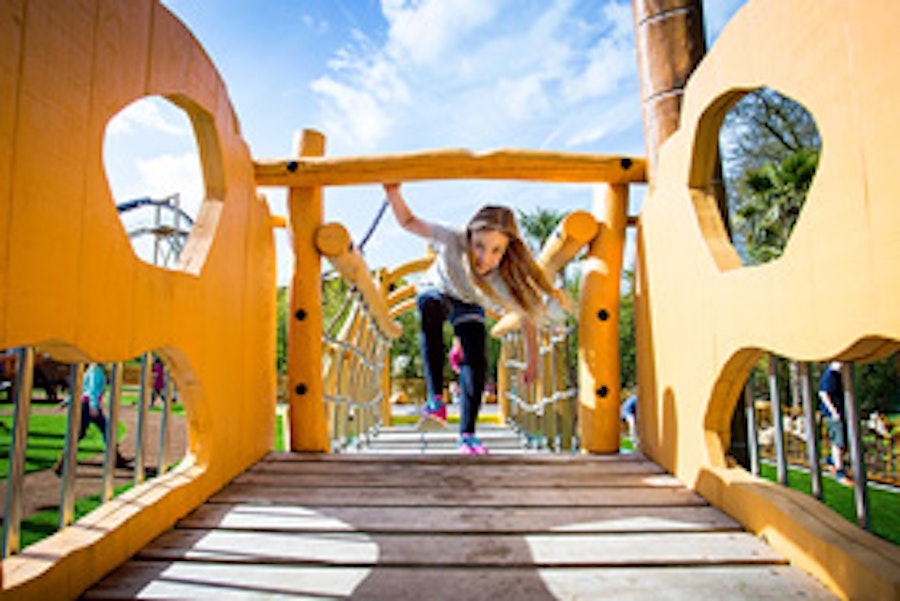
(670,43)
(386,368)
(503,380)
(599,381)
(306,401)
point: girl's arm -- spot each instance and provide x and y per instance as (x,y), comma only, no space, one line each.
(532,351)
(403,215)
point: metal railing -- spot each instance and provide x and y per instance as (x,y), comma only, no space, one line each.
(21,388)
(779,433)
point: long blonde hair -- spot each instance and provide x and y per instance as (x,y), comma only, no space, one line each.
(526,281)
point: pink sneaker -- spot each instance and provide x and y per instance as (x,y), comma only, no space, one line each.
(470,445)
(433,417)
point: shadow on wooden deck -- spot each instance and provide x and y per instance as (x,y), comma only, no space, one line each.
(420,526)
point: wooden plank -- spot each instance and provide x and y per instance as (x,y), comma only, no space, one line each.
(529,165)
(379,496)
(536,459)
(550,461)
(541,549)
(456,479)
(459,519)
(191,580)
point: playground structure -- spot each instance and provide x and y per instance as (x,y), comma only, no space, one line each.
(703,318)
(169,228)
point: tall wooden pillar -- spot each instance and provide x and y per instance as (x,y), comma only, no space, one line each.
(599,371)
(309,431)
(670,43)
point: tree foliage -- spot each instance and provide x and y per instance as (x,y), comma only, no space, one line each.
(770,150)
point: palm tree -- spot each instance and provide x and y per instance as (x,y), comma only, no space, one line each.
(538,226)
(770,200)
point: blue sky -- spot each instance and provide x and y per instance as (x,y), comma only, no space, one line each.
(382,76)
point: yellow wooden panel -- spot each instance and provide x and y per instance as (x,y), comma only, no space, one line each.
(72,282)
(54,98)
(704,319)
(11,14)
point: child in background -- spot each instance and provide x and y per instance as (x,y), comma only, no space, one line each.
(92,389)
(484,264)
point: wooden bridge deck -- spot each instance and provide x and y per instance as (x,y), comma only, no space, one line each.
(440,526)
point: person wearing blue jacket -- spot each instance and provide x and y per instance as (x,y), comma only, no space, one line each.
(92,390)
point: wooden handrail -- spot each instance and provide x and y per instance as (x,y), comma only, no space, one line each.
(529,165)
(333,242)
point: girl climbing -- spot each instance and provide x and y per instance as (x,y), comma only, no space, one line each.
(485,264)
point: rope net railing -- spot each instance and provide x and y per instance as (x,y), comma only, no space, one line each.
(354,361)
(356,346)
(543,412)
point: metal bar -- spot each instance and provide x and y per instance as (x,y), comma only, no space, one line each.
(752,438)
(812,432)
(860,487)
(777,423)
(70,449)
(143,402)
(112,433)
(162,462)
(15,479)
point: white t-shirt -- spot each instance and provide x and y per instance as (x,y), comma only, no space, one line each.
(450,273)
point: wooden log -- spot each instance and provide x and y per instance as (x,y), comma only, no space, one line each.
(392,276)
(599,382)
(530,165)
(308,431)
(333,241)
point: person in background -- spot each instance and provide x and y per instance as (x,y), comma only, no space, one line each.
(628,413)
(92,390)
(159,381)
(831,405)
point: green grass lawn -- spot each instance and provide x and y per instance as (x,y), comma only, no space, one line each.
(884,505)
(46,436)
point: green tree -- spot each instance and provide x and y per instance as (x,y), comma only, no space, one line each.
(770,205)
(770,150)
(627,350)
(538,226)
(281,308)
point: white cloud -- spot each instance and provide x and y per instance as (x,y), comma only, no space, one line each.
(147,114)
(168,174)
(478,74)
(616,118)
(423,31)
(352,114)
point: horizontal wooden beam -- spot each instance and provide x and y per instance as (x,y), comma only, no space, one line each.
(527,165)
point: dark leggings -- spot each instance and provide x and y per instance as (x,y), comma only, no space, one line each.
(468,324)
(86,421)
